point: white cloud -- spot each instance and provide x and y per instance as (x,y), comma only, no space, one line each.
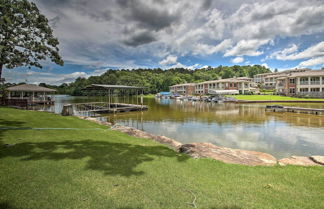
(124,33)
(169,60)
(265,65)
(208,49)
(18,75)
(292,54)
(180,65)
(313,62)
(246,47)
(237,60)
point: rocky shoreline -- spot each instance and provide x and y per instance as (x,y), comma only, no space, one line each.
(224,154)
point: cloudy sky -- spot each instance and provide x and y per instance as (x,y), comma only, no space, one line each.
(99,34)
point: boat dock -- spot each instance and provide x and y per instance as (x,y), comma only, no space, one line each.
(105,107)
(278,108)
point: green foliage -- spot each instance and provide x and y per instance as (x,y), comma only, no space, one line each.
(25,36)
(157,80)
(271,98)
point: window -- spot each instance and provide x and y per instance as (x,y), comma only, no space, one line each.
(303,81)
(315,89)
(304,90)
(315,80)
(292,91)
(292,80)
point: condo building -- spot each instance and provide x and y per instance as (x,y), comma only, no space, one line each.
(308,83)
(183,89)
(242,84)
(268,80)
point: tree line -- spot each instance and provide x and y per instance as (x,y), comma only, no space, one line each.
(157,80)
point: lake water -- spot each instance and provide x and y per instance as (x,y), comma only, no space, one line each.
(243,126)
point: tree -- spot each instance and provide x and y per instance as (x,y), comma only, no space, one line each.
(25,36)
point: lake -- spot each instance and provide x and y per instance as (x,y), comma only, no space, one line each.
(242,126)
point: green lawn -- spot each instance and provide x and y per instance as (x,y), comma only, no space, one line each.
(91,166)
(149,96)
(271,97)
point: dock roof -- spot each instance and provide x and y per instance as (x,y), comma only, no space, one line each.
(107,87)
(29,88)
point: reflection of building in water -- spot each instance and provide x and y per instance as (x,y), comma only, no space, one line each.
(299,119)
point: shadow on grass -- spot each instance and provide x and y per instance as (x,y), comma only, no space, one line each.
(8,123)
(110,158)
(6,205)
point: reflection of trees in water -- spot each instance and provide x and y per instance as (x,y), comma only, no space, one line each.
(184,111)
(297,119)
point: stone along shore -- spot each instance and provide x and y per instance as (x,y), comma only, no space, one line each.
(224,154)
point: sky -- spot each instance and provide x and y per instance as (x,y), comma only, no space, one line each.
(98,35)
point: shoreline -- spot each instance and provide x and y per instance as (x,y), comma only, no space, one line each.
(208,150)
(274,101)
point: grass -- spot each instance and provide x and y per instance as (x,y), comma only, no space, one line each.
(271,97)
(149,96)
(95,167)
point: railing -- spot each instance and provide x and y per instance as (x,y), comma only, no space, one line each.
(311,94)
(304,83)
(315,83)
(14,102)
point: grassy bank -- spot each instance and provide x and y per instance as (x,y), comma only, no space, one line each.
(271,97)
(90,166)
(149,96)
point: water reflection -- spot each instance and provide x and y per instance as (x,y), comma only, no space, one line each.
(244,126)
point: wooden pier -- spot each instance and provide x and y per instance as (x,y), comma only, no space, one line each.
(277,108)
(105,107)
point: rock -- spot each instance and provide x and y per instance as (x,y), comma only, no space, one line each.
(318,159)
(141,134)
(168,141)
(228,155)
(297,160)
(95,120)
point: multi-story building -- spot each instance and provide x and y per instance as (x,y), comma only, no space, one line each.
(183,89)
(242,84)
(310,83)
(260,78)
(268,80)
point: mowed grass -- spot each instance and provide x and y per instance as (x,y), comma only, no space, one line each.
(92,166)
(271,97)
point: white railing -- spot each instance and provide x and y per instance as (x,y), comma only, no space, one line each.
(315,83)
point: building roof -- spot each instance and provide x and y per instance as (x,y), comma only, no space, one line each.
(30,88)
(237,80)
(184,84)
(106,87)
(223,92)
(307,73)
(275,74)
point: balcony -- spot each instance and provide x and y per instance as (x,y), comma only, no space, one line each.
(304,83)
(315,83)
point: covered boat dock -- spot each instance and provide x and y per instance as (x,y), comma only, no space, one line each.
(110,106)
(28,94)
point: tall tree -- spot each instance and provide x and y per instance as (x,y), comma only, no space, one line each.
(25,36)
